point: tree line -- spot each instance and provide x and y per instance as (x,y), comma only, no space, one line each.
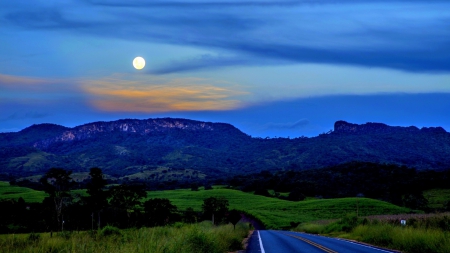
(396,184)
(120,205)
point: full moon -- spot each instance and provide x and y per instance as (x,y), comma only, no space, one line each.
(138,63)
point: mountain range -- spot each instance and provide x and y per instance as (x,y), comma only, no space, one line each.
(129,146)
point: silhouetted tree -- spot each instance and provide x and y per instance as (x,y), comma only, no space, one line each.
(194,187)
(98,198)
(262,191)
(296,195)
(215,207)
(189,215)
(126,197)
(57,183)
(234,216)
(159,211)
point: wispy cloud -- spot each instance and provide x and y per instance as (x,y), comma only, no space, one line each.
(122,93)
(25,115)
(34,87)
(159,95)
(199,63)
(404,35)
(289,125)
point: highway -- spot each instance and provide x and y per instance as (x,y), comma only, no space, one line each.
(272,241)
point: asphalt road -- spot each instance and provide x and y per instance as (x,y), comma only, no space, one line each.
(272,241)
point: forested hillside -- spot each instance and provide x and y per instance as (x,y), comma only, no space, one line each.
(129,147)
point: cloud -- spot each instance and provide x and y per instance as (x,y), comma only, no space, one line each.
(375,33)
(28,87)
(161,95)
(199,63)
(25,115)
(296,125)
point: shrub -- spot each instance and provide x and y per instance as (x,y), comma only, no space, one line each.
(110,230)
(200,242)
(34,237)
(64,234)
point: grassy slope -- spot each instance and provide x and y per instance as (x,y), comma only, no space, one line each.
(437,198)
(276,213)
(14,192)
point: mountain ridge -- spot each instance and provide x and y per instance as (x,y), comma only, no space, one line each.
(142,127)
(129,146)
(341,126)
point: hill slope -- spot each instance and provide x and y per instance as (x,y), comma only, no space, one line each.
(130,146)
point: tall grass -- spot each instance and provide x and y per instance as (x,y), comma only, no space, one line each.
(406,239)
(202,237)
(428,234)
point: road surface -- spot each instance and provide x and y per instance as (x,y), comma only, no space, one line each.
(272,241)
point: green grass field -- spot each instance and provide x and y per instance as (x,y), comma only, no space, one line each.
(437,198)
(273,212)
(276,213)
(15,192)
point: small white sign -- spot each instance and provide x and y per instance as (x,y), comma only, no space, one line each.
(403,222)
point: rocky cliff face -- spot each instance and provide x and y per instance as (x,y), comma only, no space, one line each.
(343,127)
(141,127)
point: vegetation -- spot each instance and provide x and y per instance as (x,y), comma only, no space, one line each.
(425,233)
(277,213)
(392,183)
(202,237)
(438,199)
(8,191)
(272,212)
(214,150)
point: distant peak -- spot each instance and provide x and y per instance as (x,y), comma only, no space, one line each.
(44,127)
(372,127)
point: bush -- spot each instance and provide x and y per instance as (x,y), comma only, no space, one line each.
(34,237)
(110,230)
(65,234)
(380,234)
(234,244)
(311,228)
(200,242)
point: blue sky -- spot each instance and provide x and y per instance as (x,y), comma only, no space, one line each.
(271,68)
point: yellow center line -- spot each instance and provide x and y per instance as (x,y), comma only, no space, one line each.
(312,243)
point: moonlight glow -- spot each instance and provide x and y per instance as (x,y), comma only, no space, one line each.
(138,63)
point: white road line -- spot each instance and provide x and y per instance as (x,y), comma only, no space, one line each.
(367,246)
(356,243)
(260,243)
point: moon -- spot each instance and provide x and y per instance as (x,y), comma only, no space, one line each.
(138,63)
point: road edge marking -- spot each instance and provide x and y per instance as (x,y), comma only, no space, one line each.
(260,243)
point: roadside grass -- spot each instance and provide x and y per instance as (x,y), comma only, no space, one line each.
(406,239)
(183,238)
(430,233)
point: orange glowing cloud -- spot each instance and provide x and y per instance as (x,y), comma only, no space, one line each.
(160,95)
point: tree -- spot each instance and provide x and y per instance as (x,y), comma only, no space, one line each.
(126,197)
(194,187)
(57,183)
(215,207)
(234,216)
(296,195)
(415,200)
(262,191)
(189,215)
(98,198)
(159,211)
